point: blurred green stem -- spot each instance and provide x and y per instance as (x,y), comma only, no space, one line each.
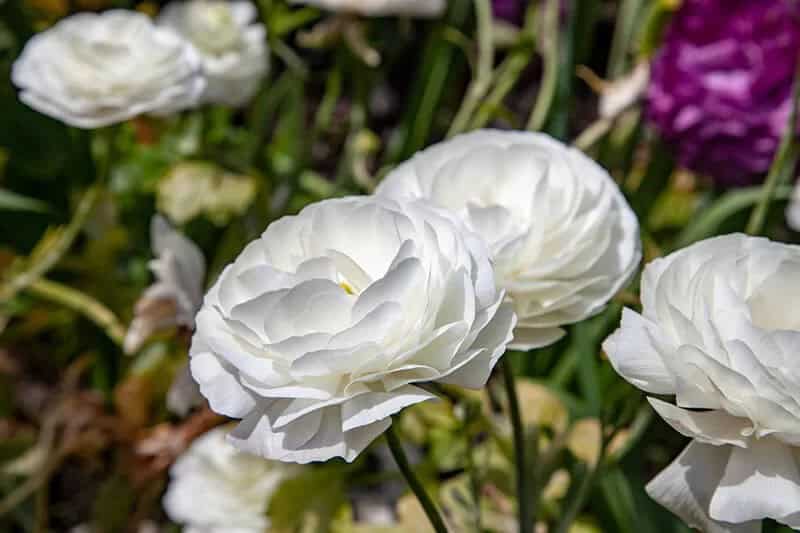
(525,508)
(550,45)
(628,14)
(710,218)
(507,74)
(578,499)
(509,71)
(81,303)
(780,173)
(413,482)
(591,135)
(482,78)
(39,265)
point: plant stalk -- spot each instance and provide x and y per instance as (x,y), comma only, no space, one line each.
(413,482)
(525,508)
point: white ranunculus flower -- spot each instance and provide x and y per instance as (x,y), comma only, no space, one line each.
(720,332)
(562,237)
(381,8)
(230,41)
(215,488)
(92,70)
(177,293)
(323,327)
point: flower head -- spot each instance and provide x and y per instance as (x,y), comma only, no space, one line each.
(719,331)
(176,295)
(230,42)
(721,84)
(381,8)
(509,10)
(92,70)
(562,237)
(215,488)
(321,329)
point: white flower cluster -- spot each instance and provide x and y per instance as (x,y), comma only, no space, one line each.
(93,70)
(335,319)
(720,333)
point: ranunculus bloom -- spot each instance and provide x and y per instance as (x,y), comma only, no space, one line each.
(720,332)
(562,237)
(381,8)
(320,329)
(510,10)
(721,84)
(175,297)
(92,70)
(215,488)
(230,41)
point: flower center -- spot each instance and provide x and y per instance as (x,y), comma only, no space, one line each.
(347,288)
(212,27)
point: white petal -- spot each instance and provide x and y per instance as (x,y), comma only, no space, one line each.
(219,384)
(687,485)
(709,427)
(369,408)
(762,481)
(255,435)
(633,356)
(527,338)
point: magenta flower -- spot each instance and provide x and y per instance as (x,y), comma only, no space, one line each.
(721,84)
(509,10)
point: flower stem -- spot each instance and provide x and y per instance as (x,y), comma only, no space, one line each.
(781,171)
(483,71)
(413,482)
(550,51)
(82,303)
(524,507)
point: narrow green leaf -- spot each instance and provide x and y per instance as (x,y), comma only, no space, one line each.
(10,201)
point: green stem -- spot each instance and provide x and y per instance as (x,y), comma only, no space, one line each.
(507,75)
(483,71)
(83,304)
(593,133)
(782,166)
(53,246)
(413,482)
(576,503)
(524,508)
(547,90)
(710,218)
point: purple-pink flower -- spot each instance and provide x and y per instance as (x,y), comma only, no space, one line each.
(509,10)
(721,84)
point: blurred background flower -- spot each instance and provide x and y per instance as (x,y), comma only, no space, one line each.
(721,84)
(509,10)
(215,488)
(94,70)
(230,42)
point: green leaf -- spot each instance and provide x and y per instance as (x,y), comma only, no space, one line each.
(113,505)
(309,501)
(711,218)
(10,201)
